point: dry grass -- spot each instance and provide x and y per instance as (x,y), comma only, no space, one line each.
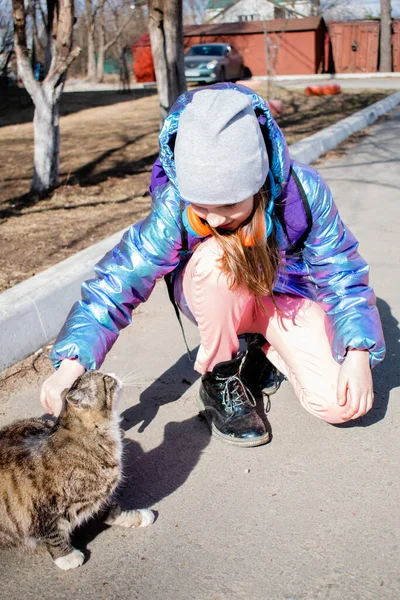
(108,145)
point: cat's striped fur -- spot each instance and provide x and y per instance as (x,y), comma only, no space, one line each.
(54,476)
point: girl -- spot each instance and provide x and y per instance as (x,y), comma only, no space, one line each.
(255,245)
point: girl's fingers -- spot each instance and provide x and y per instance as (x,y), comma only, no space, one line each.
(365,405)
(361,408)
(42,397)
(370,400)
(342,391)
(43,400)
(356,402)
(351,409)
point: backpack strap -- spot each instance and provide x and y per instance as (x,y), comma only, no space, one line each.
(294,213)
(184,233)
(158,176)
(169,280)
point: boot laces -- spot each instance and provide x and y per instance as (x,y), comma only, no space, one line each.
(235,394)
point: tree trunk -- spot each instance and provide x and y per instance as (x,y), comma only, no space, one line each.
(50,26)
(46,129)
(166,37)
(100,63)
(91,58)
(385,63)
(91,53)
(46,96)
(102,41)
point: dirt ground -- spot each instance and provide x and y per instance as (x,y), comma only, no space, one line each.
(108,146)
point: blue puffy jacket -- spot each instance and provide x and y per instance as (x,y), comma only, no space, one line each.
(328,270)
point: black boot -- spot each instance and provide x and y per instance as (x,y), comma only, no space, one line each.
(229,406)
(258,373)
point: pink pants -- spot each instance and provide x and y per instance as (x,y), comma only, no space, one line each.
(297,342)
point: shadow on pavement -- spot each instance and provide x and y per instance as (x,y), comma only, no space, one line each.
(151,476)
(170,386)
(154,475)
(387,374)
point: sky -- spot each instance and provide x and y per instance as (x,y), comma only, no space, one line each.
(359,7)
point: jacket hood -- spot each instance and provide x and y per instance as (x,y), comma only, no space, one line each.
(277,149)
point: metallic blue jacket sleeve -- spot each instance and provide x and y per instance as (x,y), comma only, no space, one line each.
(341,278)
(125,277)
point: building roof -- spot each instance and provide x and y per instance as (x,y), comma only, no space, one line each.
(244,27)
(219,4)
(225,4)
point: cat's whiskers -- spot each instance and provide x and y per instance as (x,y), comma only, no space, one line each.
(131,381)
(132,378)
(130,375)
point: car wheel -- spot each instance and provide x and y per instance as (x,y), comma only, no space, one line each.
(240,74)
(222,76)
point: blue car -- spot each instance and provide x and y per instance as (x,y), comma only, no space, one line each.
(210,63)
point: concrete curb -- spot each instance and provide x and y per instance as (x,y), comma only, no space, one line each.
(328,76)
(32,312)
(311,148)
(84,86)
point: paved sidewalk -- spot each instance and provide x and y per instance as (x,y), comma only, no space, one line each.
(313,515)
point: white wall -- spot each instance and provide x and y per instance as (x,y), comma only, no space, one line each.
(261,9)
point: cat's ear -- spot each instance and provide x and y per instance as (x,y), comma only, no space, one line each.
(109,386)
(77,399)
(109,383)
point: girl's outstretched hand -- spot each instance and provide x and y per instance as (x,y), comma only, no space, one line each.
(52,388)
(355,388)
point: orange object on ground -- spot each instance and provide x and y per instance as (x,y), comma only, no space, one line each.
(329,89)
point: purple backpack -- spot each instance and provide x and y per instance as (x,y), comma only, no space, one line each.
(293,213)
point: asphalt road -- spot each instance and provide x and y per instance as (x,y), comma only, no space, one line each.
(312,515)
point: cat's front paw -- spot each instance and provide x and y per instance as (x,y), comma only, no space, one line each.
(72,560)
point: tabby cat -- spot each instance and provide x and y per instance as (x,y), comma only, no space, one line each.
(54,476)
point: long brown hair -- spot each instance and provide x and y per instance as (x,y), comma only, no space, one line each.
(253,266)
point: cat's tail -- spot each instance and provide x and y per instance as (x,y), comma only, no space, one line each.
(147,517)
(130,518)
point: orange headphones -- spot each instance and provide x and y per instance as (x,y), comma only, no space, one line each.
(198,228)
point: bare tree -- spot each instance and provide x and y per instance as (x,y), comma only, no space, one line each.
(340,10)
(166,37)
(315,7)
(385,62)
(6,39)
(105,22)
(119,17)
(194,11)
(46,95)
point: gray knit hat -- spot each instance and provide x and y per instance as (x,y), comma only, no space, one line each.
(220,154)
